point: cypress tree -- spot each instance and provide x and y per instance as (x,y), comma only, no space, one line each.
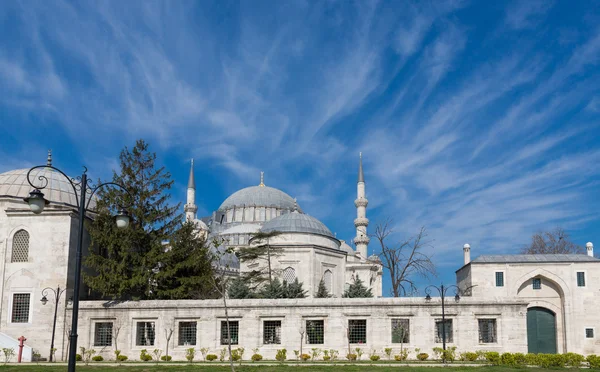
(322,291)
(294,290)
(122,263)
(357,289)
(239,289)
(274,289)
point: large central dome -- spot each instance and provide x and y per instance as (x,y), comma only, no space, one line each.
(260,196)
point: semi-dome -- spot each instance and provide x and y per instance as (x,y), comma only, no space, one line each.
(297,223)
(58,191)
(260,196)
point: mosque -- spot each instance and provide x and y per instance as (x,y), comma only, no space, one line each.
(507,303)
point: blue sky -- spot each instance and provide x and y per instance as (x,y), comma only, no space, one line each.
(478,120)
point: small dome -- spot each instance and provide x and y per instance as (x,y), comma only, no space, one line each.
(58,191)
(374,257)
(200,224)
(261,196)
(297,223)
(346,248)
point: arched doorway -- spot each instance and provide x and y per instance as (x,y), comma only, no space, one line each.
(541,330)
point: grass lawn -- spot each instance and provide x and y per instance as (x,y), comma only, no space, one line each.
(263,368)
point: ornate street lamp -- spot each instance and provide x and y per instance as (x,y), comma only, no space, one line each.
(442,290)
(84,192)
(57,292)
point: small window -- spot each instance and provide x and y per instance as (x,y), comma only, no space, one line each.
(187,333)
(20,247)
(580,279)
(400,331)
(145,334)
(487,331)
(499,279)
(103,334)
(20,308)
(234,332)
(440,328)
(357,331)
(537,283)
(589,333)
(289,275)
(272,332)
(315,332)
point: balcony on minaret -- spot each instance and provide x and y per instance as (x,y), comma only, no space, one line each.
(361,221)
(361,202)
(363,239)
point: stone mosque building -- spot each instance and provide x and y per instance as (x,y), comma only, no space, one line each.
(508,303)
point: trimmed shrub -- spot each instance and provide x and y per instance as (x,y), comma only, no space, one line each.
(574,359)
(375,358)
(508,359)
(256,357)
(211,357)
(468,356)
(304,357)
(166,358)
(594,361)
(422,356)
(400,357)
(520,359)
(493,357)
(78,357)
(351,356)
(122,358)
(97,358)
(144,356)
(531,359)
(326,358)
(281,355)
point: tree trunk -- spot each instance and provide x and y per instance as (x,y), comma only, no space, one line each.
(228,330)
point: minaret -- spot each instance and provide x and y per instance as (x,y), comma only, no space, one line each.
(361,222)
(190,206)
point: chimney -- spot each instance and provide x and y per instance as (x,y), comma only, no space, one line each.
(467,252)
(590,249)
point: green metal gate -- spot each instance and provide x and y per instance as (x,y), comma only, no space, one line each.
(541,331)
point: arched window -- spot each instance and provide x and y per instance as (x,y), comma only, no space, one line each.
(289,275)
(20,247)
(328,279)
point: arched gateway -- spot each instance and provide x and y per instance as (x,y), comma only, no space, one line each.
(541,330)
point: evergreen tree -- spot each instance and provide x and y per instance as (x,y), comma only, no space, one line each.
(357,289)
(293,290)
(239,289)
(186,267)
(262,253)
(121,264)
(274,289)
(322,291)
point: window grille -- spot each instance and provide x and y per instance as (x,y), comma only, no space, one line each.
(439,327)
(234,331)
(400,331)
(499,279)
(20,308)
(315,332)
(289,275)
(487,331)
(580,279)
(589,333)
(145,334)
(103,334)
(272,332)
(187,333)
(357,331)
(537,283)
(20,247)
(328,279)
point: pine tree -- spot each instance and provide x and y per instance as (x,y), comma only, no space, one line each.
(186,267)
(357,289)
(322,291)
(239,289)
(121,263)
(293,290)
(274,289)
(262,253)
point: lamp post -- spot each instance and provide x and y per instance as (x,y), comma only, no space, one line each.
(442,291)
(84,192)
(57,292)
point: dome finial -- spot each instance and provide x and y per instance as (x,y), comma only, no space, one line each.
(262,179)
(49,161)
(295,209)
(361,177)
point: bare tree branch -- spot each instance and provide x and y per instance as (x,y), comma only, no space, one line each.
(555,241)
(404,260)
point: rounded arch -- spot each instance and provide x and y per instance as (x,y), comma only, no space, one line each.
(562,286)
(20,246)
(289,274)
(328,280)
